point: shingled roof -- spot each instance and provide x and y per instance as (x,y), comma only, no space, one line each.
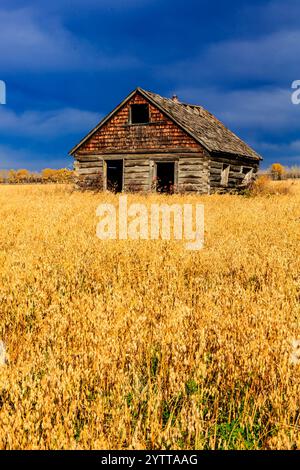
(203,126)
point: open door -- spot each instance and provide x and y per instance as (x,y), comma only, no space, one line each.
(114,175)
(165,173)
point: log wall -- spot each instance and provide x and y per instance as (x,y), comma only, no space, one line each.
(89,172)
(193,174)
(236,176)
(137,176)
(191,171)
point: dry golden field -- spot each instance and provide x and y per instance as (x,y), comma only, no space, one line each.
(143,344)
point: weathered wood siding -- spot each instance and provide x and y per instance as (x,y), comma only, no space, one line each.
(193,174)
(236,176)
(137,174)
(117,135)
(89,172)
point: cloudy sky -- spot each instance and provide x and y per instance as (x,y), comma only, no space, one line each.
(67,63)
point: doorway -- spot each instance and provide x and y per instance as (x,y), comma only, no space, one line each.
(114,175)
(165,173)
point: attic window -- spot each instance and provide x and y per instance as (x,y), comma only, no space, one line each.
(225,175)
(139,114)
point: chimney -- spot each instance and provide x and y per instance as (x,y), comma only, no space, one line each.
(175,99)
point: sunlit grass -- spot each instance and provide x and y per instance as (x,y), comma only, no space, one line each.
(143,344)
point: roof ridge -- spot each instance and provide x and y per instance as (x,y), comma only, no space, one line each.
(170,99)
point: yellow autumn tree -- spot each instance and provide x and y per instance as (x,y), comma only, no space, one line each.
(49,175)
(12,176)
(62,175)
(22,176)
(277,171)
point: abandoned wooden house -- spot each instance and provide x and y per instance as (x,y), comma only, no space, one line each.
(151,143)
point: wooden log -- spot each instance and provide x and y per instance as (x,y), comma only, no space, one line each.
(81,165)
(88,171)
(132,166)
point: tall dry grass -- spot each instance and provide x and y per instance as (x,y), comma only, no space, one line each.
(265,186)
(134,345)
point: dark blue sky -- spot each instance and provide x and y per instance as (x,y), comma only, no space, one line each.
(68,63)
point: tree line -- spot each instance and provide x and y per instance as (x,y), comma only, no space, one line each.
(63,175)
(48,175)
(281,172)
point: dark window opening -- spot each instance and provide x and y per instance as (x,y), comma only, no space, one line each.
(165,173)
(114,175)
(246,170)
(139,114)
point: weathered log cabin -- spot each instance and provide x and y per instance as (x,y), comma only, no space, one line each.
(150,143)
